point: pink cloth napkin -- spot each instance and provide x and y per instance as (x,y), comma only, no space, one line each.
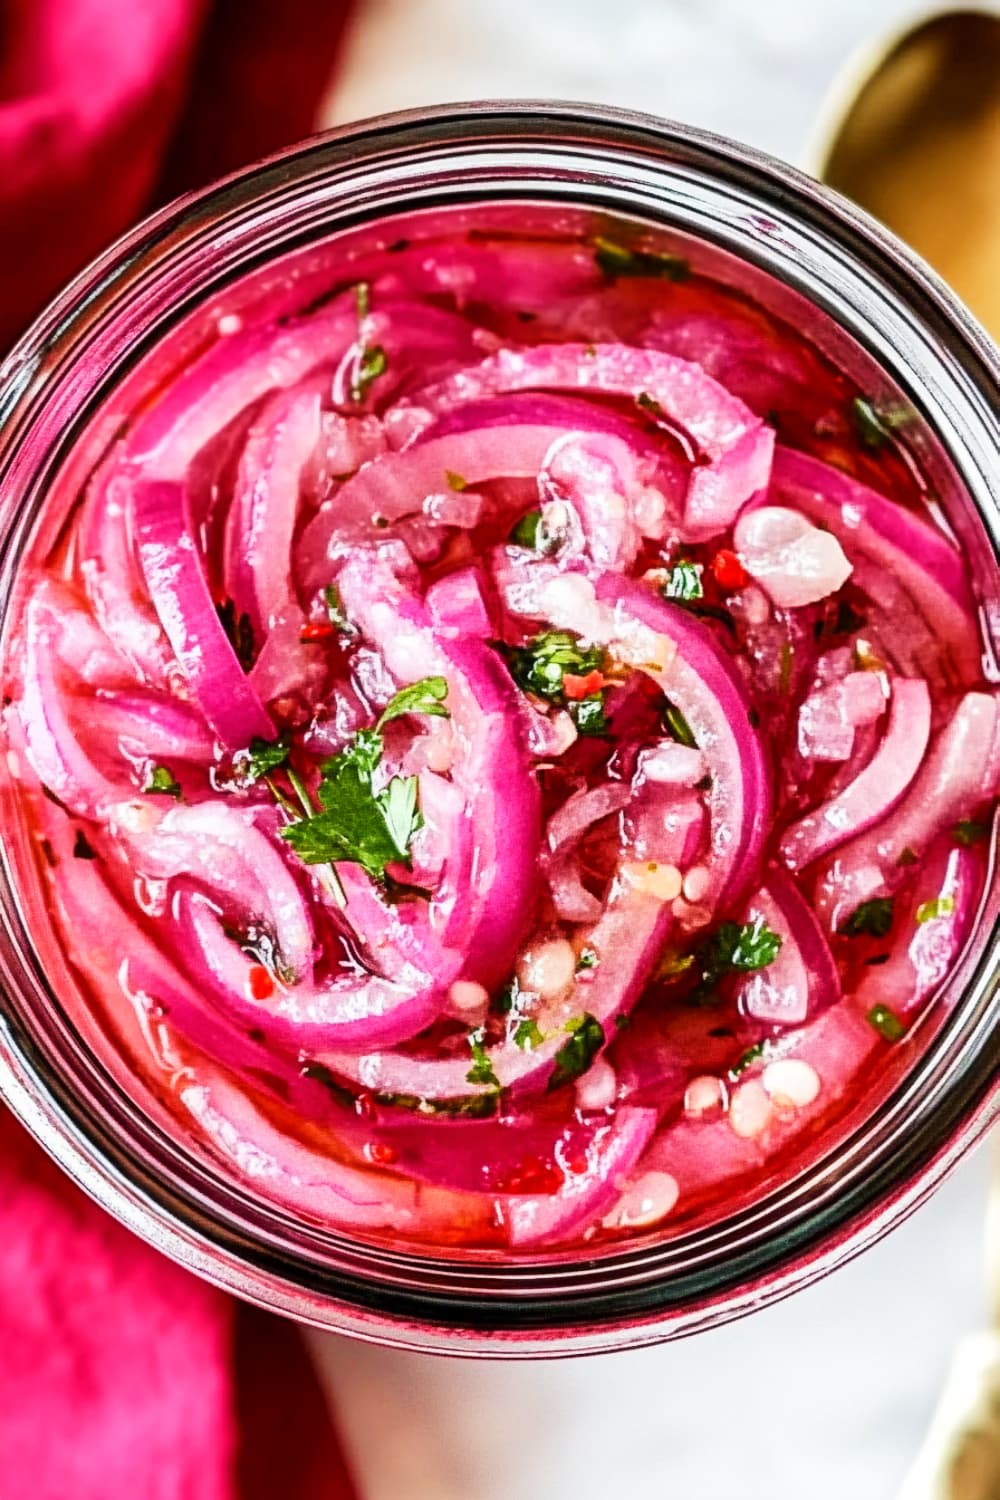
(122,1377)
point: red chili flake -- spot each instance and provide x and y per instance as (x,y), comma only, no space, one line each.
(381,1153)
(260,982)
(578,1165)
(533,1175)
(574,688)
(316,630)
(728,571)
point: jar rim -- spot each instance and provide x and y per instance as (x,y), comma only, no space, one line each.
(672,177)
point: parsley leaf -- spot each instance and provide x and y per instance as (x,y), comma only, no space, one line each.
(335,610)
(530,531)
(750,1056)
(239,632)
(588,714)
(482,1069)
(615,259)
(872,918)
(424,697)
(586,1038)
(161,779)
(684,582)
(540,665)
(874,423)
(264,756)
(969,831)
(357,824)
(528,1035)
(734,947)
(372,362)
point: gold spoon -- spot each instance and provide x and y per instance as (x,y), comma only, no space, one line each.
(917,143)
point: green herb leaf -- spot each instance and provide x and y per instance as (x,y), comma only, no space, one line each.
(649,404)
(455,481)
(529,1035)
(587,959)
(531,532)
(363,299)
(264,756)
(588,714)
(482,1069)
(750,1056)
(871,919)
(684,582)
(239,632)
(335,610)
(874,423)
(886,1023)
(424,697)
(744,946)
(969,831)
(586,1038)
(372,362)
(541,664)
(677,726)
(161,780)
(356,823)
(615,259)
(941,906)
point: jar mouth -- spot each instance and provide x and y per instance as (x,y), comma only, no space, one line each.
(85,345)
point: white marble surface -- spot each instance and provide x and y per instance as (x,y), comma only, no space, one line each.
(826,1396)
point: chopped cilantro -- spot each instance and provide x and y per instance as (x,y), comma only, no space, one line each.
(363,299)
(615,259)
(969,831)
(744,946)
(886,1023)
(531,532)
(541,664)
(264,756)
(586,1038)
(587,959)
(588,714)
(871,919)
(528,1035)
(335,610)
(455,481)
(424,697)
(649,404)
(239,632)
(941,906)
(677,726)
(875,423)
(161,780)
(750,1056)
(684,582)
(482,1069)
(372,362)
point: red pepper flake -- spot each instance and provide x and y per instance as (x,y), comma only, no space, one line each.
(574,688)
(381,1153)
(316,630)
(578,1164)
(728,571)
(260,982)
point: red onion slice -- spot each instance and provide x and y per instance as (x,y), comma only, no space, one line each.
(877,789)
(899,545)
(262,516)
(737,445)
(803,978)
(179,591)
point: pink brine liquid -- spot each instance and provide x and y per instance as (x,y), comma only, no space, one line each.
(505,745)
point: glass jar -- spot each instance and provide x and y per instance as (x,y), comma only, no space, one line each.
(64,391)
